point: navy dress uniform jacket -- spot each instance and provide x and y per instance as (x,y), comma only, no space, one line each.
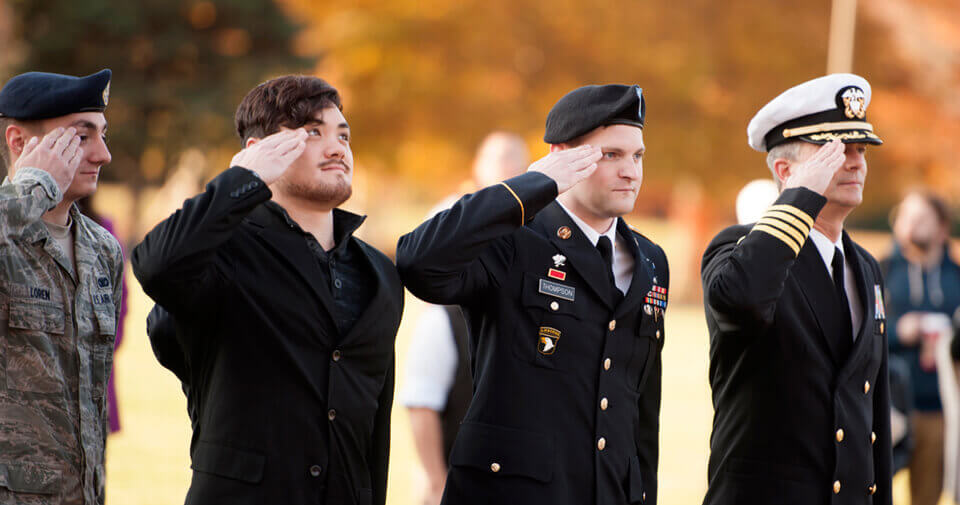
(573,421)
(288,410)
(795,421)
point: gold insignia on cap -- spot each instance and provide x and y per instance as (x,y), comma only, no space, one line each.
(106,94)
(564,232)
(854,103)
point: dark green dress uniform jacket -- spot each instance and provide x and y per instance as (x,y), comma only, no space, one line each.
(795,420)
(566,381)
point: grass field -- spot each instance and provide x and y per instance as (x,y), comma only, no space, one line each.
(148,461)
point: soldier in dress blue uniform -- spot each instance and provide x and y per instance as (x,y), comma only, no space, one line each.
(798,354)
(565,306)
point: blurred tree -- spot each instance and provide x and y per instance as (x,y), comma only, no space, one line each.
(424,80)
(180,67)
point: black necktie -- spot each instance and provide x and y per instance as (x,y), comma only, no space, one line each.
(606,252)
(846,340)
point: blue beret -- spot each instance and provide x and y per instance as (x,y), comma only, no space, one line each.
(590,107)
(39,95)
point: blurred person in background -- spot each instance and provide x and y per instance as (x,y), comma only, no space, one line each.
(565,305)
(923,292)
(798,354)
(438,388)
(60,291)
(86,208)
(285,320)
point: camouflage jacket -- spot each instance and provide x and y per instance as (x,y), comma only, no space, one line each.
(57,332)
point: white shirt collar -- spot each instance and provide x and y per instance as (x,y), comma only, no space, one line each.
(592,235)
(826,247)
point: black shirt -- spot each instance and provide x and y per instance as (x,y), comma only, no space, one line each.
(345,273)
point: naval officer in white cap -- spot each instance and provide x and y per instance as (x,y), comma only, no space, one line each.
(798,354)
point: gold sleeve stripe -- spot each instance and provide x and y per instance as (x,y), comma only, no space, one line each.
(780,235)
(523,216)
(785,216)
(799,214)
(784,227)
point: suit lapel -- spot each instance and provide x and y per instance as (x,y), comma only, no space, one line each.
(811,274)
(292,247)
(581,254)
(643,272)
(380,307)
(864,279)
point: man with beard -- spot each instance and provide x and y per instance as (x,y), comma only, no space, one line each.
(285,320)
(798,353)
(565,308)
(59,291)
(923,293)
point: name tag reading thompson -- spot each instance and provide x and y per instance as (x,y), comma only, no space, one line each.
(558,290)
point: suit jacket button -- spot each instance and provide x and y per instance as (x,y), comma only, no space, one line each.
(613,324)
(494,467)
(866,387)
(840,435)
(337,355)
(836,487)
(604,403)
(602,443)
(315,470)
(331,414)
(606,364)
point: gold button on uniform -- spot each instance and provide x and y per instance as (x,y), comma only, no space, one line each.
(612,325)
(606,364)
(643,496)
(494,467)
(603,404)
(866,387)
(554,306)
(601,443)
(872,489)
(658,334)
(840,435)
(836,487)
(873,437)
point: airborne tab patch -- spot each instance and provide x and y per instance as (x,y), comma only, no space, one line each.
(549,338)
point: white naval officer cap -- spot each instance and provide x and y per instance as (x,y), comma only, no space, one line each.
(818,111)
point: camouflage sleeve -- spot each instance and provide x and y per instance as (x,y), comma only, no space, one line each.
(26,198)
(118,285)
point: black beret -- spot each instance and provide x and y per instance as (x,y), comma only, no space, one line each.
(39,95)
(589,107)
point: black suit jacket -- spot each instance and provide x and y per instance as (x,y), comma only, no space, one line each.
(795,420)
(289,411)
(572,421)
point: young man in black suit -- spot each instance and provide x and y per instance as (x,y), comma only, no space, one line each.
(564,304)
(798,352)
(285,320)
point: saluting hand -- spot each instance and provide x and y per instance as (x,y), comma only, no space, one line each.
(816,172)
(272,156)
(569,166)
(58,153)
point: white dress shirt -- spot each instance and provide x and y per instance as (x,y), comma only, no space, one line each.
(826,248)
(622,258)
(432,361)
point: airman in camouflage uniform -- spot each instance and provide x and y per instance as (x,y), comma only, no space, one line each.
(58,308)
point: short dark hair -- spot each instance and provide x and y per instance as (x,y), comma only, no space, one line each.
(938,204)
(290,101)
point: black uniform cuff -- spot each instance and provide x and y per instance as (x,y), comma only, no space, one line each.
(533,191)
(791,217)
